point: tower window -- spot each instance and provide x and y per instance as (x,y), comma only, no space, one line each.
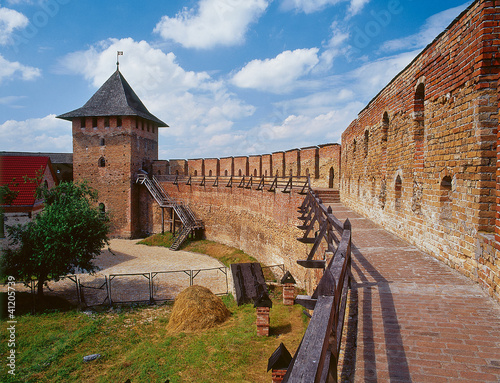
(102,211)
(102,162)
(153,128)
(83,122)
(103,142)
(106,122)
(94,122)
(147,126)
(118,122)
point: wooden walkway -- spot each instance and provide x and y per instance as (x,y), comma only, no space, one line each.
(417,319)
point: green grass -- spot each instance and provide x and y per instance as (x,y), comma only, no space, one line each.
(134,344)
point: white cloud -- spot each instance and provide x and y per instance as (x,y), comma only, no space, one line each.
(311,6)
(10,70)
(356,6)
(277,75)
(10,20)
(308,6)
(433,26)
(11,101)
(215,22)
(46,134)
(193,104)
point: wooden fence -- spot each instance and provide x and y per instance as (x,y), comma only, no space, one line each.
(316,359)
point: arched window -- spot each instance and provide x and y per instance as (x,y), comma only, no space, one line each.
(255,172)
(225,173)
(210,173)
(418,103)
(398,191)
(367,134)
(195,173)
(239,173)
(102,162)
(103,142)
(385,126)
(445,198)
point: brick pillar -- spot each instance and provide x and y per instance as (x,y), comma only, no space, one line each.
(288,294)
(278,375)
(263,321)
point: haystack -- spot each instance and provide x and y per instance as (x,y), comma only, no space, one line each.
(197,308)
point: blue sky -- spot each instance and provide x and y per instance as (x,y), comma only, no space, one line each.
(230,77)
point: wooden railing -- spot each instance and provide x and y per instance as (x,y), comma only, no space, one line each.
(284,184)
(317,357)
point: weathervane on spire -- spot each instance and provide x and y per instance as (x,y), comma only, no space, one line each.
(118,54)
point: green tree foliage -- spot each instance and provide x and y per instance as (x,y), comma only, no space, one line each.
(7,196)
(63,239)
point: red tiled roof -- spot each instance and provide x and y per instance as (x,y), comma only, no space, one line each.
(14,168)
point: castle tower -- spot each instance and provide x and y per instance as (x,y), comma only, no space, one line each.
(114,137)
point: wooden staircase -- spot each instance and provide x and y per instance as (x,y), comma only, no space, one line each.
(327,196)
(188,219)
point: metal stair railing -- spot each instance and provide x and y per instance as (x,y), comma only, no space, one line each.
(183,211)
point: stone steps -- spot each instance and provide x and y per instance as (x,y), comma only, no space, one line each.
(328,195)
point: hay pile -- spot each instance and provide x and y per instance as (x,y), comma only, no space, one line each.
(197,308)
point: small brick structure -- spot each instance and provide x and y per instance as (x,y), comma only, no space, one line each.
(263,305)
(288,282)
(263,321)
(278,375)
(278,363)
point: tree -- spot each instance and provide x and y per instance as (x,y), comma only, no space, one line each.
(7,196)
(63,239)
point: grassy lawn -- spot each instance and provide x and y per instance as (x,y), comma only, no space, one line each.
(134,344)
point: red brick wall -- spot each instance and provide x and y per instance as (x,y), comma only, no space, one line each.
(241,166)
(309,162)
(278,160)
(267,165)
(226,166)
(196,167)
(329,164)
(292,162)
(255,165)
(442,148)
(212,167)
(178,167)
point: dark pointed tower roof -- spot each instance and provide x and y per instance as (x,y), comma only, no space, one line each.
(115,98)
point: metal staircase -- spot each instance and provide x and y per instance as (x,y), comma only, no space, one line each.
(189,221)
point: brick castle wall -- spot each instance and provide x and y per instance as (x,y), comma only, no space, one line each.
(421,158)
(261,223)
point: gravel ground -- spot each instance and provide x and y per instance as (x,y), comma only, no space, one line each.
(170,272)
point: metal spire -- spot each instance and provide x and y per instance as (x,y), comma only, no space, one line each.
(118,54)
